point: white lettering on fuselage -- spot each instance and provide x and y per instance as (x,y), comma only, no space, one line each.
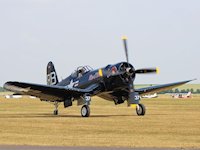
(92,77)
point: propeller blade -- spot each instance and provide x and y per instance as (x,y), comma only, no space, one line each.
(124,38)
(147,70)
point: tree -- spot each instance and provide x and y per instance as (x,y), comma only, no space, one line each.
(198,91)
(183,91)
(176,90)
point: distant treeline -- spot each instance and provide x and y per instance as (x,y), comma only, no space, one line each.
(197,91)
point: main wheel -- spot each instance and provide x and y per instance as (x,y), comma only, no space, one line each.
(85,111)
(140,110)
(55,112)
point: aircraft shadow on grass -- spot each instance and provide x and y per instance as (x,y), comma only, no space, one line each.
(36,115)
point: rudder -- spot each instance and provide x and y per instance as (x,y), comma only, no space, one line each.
(52,78)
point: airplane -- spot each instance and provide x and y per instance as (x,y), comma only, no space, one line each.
(182,95)
(155,95)
(113,83)
(16,96)
(13,96)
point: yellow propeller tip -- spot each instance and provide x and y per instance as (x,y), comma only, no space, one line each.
(124,38)
(157,70)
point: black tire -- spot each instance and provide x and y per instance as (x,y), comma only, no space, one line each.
(85,111)
(140,110)
(55,112)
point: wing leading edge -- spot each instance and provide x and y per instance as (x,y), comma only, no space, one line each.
(160,88)
(45,92)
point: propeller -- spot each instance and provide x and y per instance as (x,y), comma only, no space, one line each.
(124,38)
(147,70)
(130,72)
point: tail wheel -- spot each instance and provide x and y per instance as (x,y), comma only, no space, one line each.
(140,110)
(85,111)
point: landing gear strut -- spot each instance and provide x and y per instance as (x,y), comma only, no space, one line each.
(55,112)
(140,110)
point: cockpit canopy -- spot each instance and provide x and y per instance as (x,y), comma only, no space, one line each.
(80,71)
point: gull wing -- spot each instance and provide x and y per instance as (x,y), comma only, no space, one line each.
(45,92)
(160,88)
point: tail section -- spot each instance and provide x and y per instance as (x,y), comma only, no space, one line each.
(52,78)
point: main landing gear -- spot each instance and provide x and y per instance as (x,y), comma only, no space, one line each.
(85,110)
(140,110)
(55,112)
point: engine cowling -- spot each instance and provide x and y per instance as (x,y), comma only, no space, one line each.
(128,71)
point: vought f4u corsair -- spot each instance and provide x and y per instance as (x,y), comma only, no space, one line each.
(113,82)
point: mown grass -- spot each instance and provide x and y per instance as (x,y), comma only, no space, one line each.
(167,123)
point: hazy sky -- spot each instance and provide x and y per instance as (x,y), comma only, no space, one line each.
(164,34)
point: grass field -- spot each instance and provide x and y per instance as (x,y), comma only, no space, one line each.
(167,123)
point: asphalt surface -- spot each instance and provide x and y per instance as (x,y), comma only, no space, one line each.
(12,147)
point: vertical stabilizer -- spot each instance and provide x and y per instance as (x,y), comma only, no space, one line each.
(52,78)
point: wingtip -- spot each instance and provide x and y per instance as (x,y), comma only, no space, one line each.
(5,86)
(193,79)
(190,80)
(8,83)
